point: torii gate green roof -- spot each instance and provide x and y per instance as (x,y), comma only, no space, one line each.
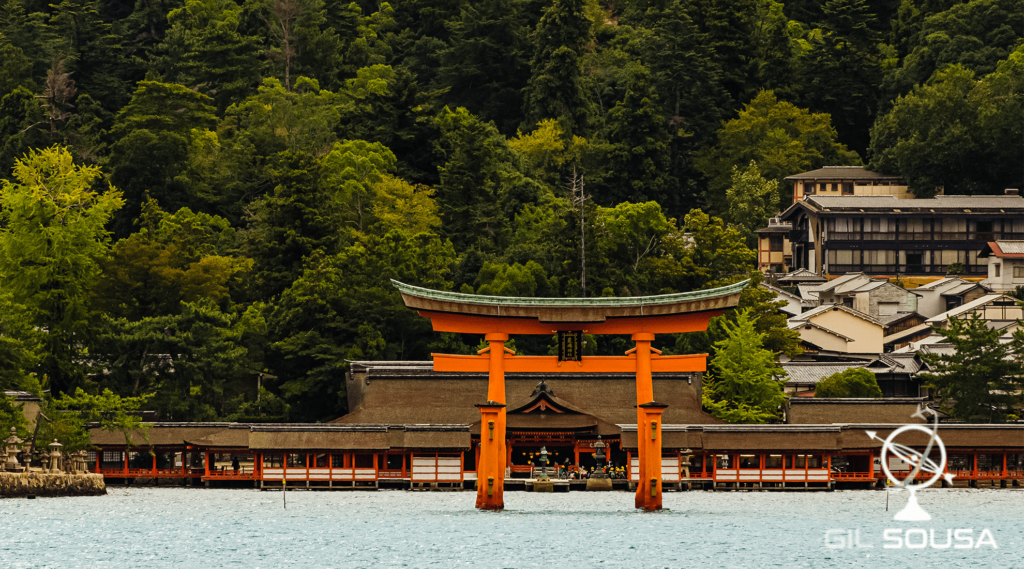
(595,309)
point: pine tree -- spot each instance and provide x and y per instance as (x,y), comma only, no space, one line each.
(558,88)
(204,50)
(153,137)
(842,71)
(980,381)
(640,156)
(484,68)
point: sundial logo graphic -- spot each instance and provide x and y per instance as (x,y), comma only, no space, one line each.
(920,462)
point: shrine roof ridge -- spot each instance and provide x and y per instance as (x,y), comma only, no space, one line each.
(592,302)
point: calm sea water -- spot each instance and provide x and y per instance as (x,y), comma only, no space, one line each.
(155,528)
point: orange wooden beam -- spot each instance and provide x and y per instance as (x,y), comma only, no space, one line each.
(668,324)
(589,364)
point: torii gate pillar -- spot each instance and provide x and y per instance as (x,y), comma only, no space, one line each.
(490,473)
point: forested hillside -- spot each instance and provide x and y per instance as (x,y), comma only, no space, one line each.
(201,196)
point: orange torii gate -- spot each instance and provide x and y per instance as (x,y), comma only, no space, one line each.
(498,317)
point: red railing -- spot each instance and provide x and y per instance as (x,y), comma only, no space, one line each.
(853,476)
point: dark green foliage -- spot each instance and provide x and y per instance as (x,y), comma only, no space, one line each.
(980,381)
(975,35)
(289,224)
(485,64)
(558,88)
(854,382)
(153,135)
(843,71)
(957,132)
(344,307)
(482,186)
(640,158)
(204,50)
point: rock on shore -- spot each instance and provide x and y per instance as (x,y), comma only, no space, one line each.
(19,485)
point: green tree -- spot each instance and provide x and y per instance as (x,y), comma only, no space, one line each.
(482,183)
(300,216)
(496,279)
(351,170)
(975,35)
(189,361)
(86,45)
(750,200)
(742,388)
(15,67)
(633,232)
(782,138)
(52,238)
(689,86)
(485,64)
(20,345)
(205,51)
(557,87)
(726,28)
(712,254)
(344,307)
(397,204)
(173,258)
(980,381)
(842,70)
(20,118)
(854,382)
(640,157)
(154,134)
(12,414)
(69,416)
(956,132)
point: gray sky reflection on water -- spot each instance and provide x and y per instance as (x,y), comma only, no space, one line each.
(185,528)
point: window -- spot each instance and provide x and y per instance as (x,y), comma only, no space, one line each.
(1018,272)
(775,243)
(364,461)
(320,460)
(272,461)
(996,267)
(808,187)
(848,188)
(773,461)
(296,461)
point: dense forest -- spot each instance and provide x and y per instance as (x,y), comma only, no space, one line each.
(201,197)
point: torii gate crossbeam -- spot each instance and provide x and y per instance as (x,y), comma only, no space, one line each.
(498,317)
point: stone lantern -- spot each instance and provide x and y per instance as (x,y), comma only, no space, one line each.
(78,462)
(12,443)
(599,480)
(56,457)
(543,464)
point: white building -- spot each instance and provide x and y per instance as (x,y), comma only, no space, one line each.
(1005,265)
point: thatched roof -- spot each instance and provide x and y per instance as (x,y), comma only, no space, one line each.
(409,393)
(160,434)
